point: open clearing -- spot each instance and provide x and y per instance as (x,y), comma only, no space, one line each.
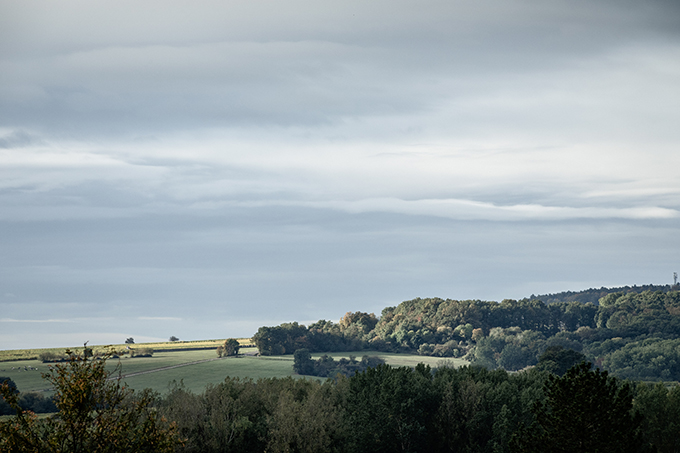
(200,368)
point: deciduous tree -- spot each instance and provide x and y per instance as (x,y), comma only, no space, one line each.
(97,414)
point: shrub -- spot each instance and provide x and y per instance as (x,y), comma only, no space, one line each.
(141,352)
(49,356)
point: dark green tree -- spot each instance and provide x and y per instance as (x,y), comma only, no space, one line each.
(557,359)
(229,348)
(5,408)
(305,419)
(660,407)
(515,357)
(302,362)
(390,409)
(583,411)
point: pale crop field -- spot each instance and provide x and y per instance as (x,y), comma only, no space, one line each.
(32,354)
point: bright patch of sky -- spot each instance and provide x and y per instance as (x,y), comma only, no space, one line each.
(200,169)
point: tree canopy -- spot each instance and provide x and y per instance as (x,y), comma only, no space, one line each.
(631,334)
(584,411)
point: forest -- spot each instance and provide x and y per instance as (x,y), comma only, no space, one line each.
(633,335)
(594,295)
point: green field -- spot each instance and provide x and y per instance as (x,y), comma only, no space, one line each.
(196,376)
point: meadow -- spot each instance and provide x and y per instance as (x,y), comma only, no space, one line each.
(198,368)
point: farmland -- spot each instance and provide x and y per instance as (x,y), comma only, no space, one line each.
(196,368)
(33,354)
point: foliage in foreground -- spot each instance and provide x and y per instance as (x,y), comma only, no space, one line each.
(465,410)
(256,416)
(96,413)
(382,409)
(584,411)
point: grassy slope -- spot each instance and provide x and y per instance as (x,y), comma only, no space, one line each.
(197,376)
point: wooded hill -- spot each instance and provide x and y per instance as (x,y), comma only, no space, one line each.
(632,334)
(593,295)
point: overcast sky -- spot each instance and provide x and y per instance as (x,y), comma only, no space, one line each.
(202,168)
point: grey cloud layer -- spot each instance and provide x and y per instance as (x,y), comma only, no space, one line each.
(513,184)
(93,68)
(271,161)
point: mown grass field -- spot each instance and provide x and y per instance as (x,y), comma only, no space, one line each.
(195,376)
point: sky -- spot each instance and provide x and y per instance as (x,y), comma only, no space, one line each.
(204,168)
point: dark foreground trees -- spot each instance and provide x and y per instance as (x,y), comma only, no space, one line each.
(96,414)
(272,415)
(584,411)
(660,407)
(461,410)
(382,409)
(392,409)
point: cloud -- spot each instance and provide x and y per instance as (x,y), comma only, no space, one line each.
(483,180)
(36,320)
(301,64)
(474,210)
(18,139)
(159,318)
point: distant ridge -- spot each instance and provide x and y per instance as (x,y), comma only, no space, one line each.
(593,295)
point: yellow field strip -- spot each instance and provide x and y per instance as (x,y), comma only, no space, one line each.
(33,354)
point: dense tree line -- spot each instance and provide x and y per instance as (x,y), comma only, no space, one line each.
(593,295)
(327,366)
(584,411)
(631,334)
(469,409)
(322,336)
